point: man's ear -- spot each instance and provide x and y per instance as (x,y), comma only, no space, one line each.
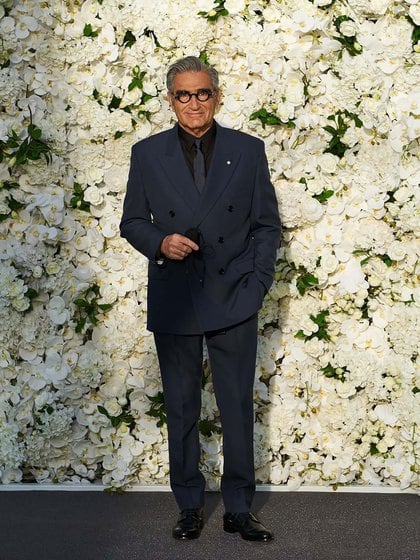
(170,100)
(219,99)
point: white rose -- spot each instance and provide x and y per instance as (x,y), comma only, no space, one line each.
(113,407)
(312,210)
(153,105)
(397,251)
(109,294)
(348,28)
(93,195)
(234,6)
(328,163)
(21,303)
(329,263)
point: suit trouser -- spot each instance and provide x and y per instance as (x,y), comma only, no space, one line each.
(232,354)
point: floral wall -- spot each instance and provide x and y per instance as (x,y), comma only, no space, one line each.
(330,86)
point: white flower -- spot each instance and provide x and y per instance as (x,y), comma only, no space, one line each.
(328,163)
(93,195)
(113,407)
(348,28)
(7,25)
(205,5)
(106,40)
(311,209)
(24,26)
(414,13)
(350,277)
(305,21)
(386,414)
(56,369)
(234,6)
(57,311)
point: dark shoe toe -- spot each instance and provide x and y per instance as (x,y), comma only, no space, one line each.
(189,524)
(250,528)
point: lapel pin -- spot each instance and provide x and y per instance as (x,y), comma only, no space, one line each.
(228,162)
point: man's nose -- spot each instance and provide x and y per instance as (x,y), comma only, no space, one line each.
(194,103)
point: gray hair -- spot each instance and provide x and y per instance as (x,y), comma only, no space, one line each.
(190,64)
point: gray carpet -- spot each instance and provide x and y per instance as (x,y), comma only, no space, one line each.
(137,526)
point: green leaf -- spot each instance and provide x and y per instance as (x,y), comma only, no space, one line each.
(373,449)
(103,410)
(324,195)
(306,281)
(31,293)
(88,31)
(14,205)
(208,428)
(150,33)
(34,131)
(334,373)
(129,39)
(80,325)
(386,259)
(105,306)
(301,334)
(330,129)
(114,103)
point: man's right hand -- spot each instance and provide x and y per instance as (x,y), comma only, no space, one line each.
(177,247)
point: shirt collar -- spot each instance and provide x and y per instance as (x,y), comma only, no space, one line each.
(207,138)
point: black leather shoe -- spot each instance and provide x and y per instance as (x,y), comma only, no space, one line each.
(189,525)
(250,528)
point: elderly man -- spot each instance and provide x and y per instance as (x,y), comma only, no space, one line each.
(200,206)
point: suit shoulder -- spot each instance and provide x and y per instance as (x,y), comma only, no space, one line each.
(152,141)
(243,138)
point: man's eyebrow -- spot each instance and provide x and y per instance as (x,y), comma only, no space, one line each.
(198,89)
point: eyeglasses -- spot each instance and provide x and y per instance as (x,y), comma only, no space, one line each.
(202,95)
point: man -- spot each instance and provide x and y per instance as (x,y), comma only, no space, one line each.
(200,206)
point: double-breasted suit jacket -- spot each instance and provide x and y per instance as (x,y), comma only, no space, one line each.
(236,214)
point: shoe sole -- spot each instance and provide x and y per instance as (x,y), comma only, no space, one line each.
(232,531)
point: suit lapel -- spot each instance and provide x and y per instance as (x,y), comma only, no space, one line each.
(176,169)
(224,161)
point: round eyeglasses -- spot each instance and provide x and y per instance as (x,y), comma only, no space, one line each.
(184,96)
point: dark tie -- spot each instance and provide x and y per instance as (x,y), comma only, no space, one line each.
(199,167)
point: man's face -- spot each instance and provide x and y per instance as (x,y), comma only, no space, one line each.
(195,117)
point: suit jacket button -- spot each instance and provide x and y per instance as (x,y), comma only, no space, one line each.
(222,271)
(230,208)
(171,213)
(220,240)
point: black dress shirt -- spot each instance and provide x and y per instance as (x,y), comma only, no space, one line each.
(187,144)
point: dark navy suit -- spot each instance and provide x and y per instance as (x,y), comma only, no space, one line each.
(214,294)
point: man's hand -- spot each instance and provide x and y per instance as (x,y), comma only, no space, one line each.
(177,246)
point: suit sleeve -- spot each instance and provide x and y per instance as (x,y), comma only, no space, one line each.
(265,223)
(136,224)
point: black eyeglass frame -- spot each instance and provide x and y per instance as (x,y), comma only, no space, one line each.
(208,93)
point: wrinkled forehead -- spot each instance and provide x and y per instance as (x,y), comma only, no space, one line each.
(192,81)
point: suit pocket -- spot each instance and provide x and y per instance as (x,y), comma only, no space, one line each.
(245,266)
